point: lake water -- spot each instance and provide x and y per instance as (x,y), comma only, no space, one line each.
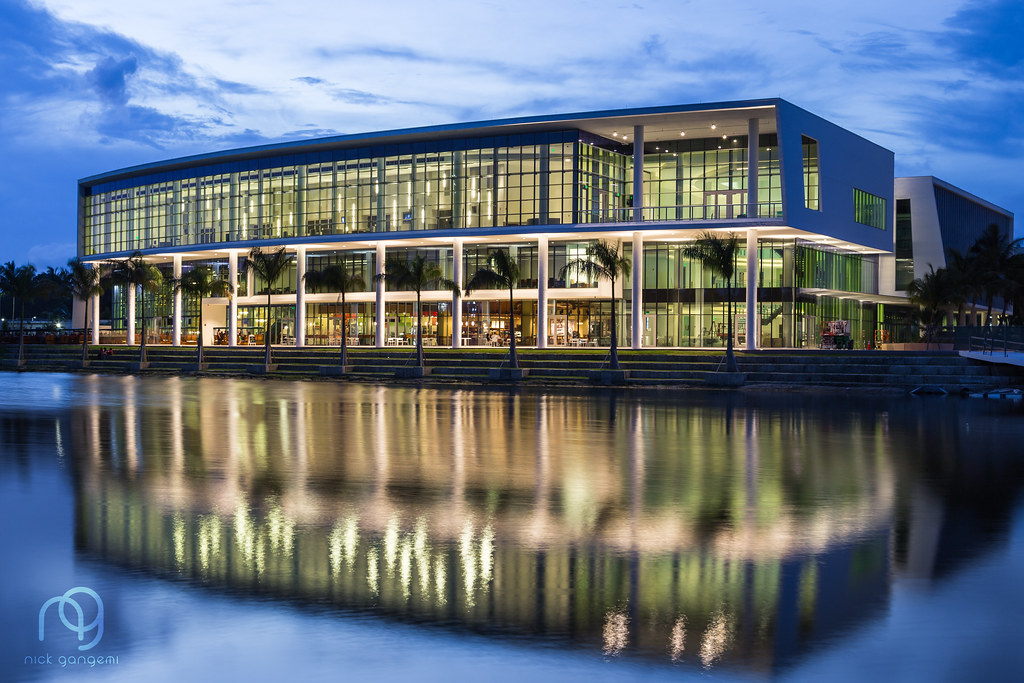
(267,530)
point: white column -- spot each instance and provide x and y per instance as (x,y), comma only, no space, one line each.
(753,134)
(233,300)
(381,318)
(93,309)
(94,322)
(753,319)
(638,290)
(130,338)
(176,323)
(542,292)
(638,173)
(457,298)
(300,297)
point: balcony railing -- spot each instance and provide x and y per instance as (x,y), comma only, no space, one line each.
(698,212)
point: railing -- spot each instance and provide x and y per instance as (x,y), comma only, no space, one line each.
(698,212)
(990,342)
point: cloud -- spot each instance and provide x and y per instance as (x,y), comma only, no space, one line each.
(54,254)
(988,34)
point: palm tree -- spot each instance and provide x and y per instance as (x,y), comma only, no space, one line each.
(268,266)
(932,293)
(719,254)
(962,269)
(201,282)
(993,250)
(85,283)
(23,284)
(501,272)
(603,261)
(337,278)
(416,274)
(134,272)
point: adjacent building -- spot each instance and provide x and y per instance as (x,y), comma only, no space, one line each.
(814,205)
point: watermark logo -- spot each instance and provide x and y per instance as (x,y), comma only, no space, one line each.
(77,622)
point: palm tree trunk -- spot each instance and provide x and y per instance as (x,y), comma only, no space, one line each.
(614,365)
(344,332)
(513,356)
(199,339)
(419,330)
(730,359)
(266,331)
(85,334)
(142,347)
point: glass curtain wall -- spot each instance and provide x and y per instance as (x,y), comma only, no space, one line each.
(686,305)
(483,182)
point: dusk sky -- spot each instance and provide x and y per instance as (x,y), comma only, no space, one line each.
(94,85)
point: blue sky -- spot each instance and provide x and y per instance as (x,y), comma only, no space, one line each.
(94,85)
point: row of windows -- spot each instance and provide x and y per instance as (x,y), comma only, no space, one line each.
(538,184)
(868,209)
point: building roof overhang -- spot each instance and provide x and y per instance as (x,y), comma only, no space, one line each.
(660,124)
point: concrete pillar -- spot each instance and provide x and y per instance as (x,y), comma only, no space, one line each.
(176,322)
(233,299)
(753,133)
(753,319)
(457,298)
(130,338)
(542,292)
(381,318)
(638,173)
(300,297)
(94,310)
(638,290)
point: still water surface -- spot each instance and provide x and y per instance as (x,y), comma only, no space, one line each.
(264,530)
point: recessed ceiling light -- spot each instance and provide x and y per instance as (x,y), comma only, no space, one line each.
(683,133)
(724,136)
(714,126)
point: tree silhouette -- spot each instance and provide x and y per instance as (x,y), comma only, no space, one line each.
(603,262)
(337,278)
(719,254)
(268,266)
(501,272)
(416,274)
(201,282)
(134,272)
(23,284)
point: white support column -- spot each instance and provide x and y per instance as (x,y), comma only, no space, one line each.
(93,309)
(457,298)
(130,338)
(638,290)
(753,319)
(638,173)
(381,318)
(233,299)
(753,134)
(300,297)
(176,322)
(542,292)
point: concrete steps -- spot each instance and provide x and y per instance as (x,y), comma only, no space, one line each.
(901,369)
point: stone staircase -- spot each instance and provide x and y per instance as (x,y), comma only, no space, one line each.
(879,369)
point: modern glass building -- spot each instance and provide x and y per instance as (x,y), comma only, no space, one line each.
(812,203)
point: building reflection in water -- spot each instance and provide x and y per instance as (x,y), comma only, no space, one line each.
(695,532)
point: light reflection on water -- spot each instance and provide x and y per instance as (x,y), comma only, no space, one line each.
(698,530)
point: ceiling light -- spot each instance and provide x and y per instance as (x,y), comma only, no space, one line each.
(714,126)
(683,133)
(724,136)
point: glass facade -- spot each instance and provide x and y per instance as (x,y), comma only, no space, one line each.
(812,182)
(543,196)
(868,209)
(904,245)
